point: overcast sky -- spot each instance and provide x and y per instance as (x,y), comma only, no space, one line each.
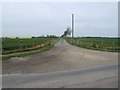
(34,19)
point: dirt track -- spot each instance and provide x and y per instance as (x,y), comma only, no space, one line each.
(62,57)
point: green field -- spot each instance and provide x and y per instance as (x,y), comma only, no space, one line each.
(104,44)
(22,47)
(12,44)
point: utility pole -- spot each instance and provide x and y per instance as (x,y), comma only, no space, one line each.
(72,25)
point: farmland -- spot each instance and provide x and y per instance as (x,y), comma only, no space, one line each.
(17,47)
(12,44)
(12,47)
(103,44)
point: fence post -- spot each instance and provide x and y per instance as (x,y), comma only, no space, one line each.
(94,45)
(102,42)
(21,43)
(113,44)
(2,46)
(44,42)
(34,42)
(49,42)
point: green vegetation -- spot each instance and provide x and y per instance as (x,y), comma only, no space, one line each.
(103,44)
(22,54)
(28,47)
(12,44)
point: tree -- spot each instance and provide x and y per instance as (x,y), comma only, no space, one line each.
(67,32)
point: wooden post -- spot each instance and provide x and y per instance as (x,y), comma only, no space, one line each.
(21,43)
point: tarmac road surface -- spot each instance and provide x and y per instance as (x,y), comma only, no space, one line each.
(61,67)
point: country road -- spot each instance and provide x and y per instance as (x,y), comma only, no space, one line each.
(63,66)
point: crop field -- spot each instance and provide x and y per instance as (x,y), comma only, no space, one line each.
(12,44)
(19,47)
(106,44)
